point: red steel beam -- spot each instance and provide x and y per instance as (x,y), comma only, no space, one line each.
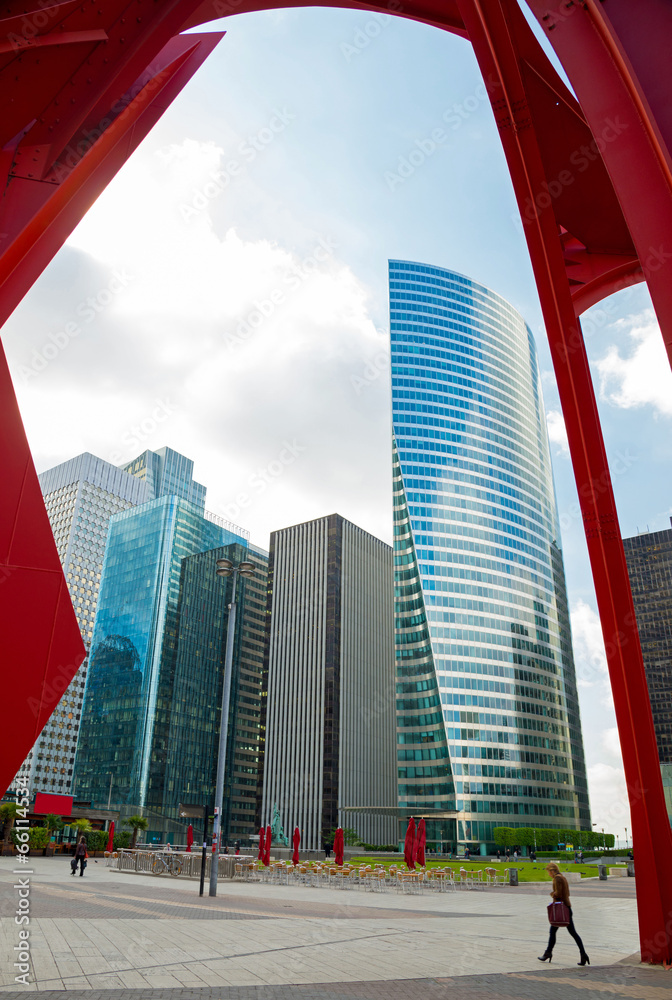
(616,56)
(41,646)
(491,26)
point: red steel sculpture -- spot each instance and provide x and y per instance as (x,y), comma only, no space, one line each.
(82,83)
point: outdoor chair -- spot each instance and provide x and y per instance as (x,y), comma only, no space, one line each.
(409,882)
(378,880)
(464,878)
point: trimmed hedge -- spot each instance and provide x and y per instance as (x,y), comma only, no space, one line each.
(587,854)
(391,848)
(526,836)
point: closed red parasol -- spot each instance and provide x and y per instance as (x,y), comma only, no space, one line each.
(296,840)
(409,844)
(339,846)
(267,849)
(421,841)
(190,837)
(110,839)
(262,844)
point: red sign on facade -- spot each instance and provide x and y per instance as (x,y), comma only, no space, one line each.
(60,805)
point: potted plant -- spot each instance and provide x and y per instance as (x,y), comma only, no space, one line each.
(97,841)
(38,838)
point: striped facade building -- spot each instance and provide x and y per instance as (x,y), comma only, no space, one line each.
(488,715)
(330,716)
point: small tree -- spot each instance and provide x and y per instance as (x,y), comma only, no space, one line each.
(546,838)
(52,823)
(524,836)
(137,823)
(8,813)
(350,836)
(504,835)
(83,827)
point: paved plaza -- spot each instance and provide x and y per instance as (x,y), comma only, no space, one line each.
(119,936)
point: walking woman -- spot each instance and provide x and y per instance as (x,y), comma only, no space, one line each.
(560,894)
(80,856)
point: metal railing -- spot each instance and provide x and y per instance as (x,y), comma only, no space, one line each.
(142,862)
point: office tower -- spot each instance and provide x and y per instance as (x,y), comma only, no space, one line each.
(483,633)
(124,738)
(649,559)
(196,697)
(330,719)
(80,496)
(167,473)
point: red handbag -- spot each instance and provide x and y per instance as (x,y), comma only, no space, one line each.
(558,914)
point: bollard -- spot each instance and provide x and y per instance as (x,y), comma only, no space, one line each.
(513,876)
(631,869)
(602,872)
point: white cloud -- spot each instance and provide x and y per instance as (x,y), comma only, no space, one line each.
(589,654)
(557,432)
(610,810)
(257,360)
(642,377)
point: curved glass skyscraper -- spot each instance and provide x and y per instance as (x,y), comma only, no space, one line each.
(487,703)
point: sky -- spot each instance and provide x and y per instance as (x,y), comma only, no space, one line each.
(227,296)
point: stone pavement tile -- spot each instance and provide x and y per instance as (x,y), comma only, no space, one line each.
(543,986)
(131,979)
(187,976)
(164,981)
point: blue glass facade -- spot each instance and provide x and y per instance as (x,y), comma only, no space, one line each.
(476,520)
(193,741)
(167,473)
(125,729)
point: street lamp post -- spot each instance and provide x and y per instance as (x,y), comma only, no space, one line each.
(225,568)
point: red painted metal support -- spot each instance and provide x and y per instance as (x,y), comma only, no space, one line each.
(40,644)
(492,31)
(616,56)
(592,173)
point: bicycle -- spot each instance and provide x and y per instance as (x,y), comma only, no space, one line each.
(166,863)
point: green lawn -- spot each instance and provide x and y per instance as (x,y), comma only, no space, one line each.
(527,871)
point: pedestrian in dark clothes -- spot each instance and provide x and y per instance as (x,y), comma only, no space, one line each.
(80,857)
(560,894)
